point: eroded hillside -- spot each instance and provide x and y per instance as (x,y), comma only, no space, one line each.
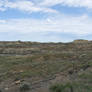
(41,65)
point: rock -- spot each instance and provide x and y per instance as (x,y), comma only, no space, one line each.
(6,88)
(17,82)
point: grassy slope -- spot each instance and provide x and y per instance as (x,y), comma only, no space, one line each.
(54,60)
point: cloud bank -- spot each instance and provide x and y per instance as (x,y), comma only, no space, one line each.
(75,25)
(55,21)
(42,5)
(70,3)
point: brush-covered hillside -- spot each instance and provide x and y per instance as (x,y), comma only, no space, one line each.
(46,67)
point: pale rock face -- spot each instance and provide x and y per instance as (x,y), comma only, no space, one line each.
(80,41)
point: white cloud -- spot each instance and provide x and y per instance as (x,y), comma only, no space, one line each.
(24,5)
(71,3)
(42,5)
(1,6)
(73,25)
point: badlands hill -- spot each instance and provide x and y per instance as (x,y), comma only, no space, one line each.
(45,67)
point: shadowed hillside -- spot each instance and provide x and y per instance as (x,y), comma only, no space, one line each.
(38,67)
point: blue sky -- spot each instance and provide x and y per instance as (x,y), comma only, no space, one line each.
(45,20)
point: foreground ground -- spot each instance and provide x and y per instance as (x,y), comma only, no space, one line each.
(41,65)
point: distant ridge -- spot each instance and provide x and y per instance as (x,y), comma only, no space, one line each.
(32,48)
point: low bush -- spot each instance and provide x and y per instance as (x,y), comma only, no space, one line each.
(24,87)
(61,88)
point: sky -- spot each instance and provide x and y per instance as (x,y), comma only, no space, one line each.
(45,20)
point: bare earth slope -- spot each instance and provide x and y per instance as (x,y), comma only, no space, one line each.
(41,65)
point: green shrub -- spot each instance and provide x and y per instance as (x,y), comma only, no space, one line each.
(61,88)
(24,87)
(57,88)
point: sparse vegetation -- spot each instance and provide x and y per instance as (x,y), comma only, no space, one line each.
(24,87)
(62,88)
(35,62)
